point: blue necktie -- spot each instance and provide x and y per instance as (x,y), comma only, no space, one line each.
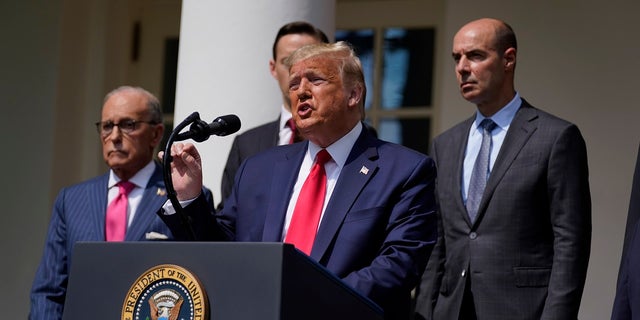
(480,172)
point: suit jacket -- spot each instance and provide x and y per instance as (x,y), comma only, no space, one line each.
(246,145)
(634,209)
(250,143)
(626,305)
(378,228)
(627,302)
(79,215)
(526,254)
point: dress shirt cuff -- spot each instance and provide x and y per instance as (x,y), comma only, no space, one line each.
(168,209)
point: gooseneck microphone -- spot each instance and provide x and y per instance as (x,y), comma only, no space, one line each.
(200,131)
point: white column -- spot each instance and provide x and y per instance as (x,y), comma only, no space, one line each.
(223,65)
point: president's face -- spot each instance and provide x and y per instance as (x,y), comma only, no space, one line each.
(285,47)
(322,104)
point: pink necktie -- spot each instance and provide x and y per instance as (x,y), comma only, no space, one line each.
(306,215)
(116,223)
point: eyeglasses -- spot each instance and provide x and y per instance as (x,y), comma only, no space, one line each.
(126,126)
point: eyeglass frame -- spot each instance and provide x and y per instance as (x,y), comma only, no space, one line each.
(125,122)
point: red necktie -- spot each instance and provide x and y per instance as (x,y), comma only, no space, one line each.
(116,223)
(306,215)
(294,132)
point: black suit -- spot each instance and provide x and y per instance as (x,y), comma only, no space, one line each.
(634,206)
(244,146)
(627,301)
(626,305)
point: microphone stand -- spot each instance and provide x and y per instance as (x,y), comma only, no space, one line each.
(168,182)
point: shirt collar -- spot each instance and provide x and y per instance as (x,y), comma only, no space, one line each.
(285,115)
(504,116)
(340,149)
(140,179)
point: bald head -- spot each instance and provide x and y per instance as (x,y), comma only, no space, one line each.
(500,33)
(484,52)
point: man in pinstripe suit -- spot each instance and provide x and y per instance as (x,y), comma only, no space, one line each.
(130,129)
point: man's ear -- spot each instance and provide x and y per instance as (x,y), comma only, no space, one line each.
(158,132)
(510,58)
(272,69)
(355,95)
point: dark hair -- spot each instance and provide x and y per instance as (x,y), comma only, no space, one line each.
(299,27)
(505,38)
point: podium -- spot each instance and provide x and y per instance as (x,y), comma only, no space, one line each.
(241,281)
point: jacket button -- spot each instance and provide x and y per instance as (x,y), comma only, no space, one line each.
(464,273)
(473,235)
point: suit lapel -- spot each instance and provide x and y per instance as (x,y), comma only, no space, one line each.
(98,203)
(361,166)
(152,199)
(460,139)
(285,173)
(520,130)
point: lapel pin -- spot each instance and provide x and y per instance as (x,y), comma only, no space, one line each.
(161,192)
(364,170)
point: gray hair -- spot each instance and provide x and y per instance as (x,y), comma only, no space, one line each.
(152,102)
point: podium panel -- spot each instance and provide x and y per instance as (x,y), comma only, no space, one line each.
(241,281)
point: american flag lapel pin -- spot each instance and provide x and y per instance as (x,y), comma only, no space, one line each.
(364,170)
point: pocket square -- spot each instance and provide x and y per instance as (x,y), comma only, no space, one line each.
(155,236)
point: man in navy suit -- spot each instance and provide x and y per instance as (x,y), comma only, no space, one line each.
(516,218)
(290,37)
(130,129)
(378,222)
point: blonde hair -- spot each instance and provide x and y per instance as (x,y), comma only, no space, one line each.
(349,63)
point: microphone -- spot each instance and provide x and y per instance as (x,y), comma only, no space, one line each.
(200,131)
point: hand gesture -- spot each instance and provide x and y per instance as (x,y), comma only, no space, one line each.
(186,170)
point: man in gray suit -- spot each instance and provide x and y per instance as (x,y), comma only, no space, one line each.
(513,194)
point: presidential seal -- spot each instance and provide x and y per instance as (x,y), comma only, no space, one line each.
(166,292)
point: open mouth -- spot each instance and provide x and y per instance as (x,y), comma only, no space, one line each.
(304,110)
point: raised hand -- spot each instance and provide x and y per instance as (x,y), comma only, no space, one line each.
(186,170)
